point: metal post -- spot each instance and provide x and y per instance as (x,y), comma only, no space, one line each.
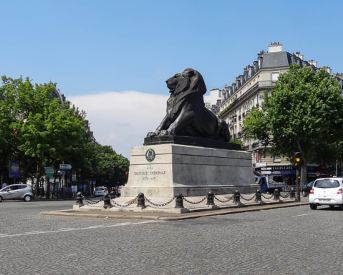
(107,201)
(258,196)
(79,199)
(179,201)
(237,197)
(276,194)
(48,188)
(292,193)
(298,171)
(141,200)
(210,198)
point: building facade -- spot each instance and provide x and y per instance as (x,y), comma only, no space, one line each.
(248,91)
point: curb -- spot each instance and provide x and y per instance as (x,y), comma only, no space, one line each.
(171,217)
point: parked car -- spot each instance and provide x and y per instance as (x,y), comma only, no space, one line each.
(305,188)
(100,191)
(326,191)
(16,192)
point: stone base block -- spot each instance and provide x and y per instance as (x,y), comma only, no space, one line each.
(165,170)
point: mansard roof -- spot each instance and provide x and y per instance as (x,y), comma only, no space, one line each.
(276,59)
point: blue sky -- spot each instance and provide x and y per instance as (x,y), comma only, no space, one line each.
(93,47)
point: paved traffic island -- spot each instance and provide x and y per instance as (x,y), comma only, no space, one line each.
(179,207)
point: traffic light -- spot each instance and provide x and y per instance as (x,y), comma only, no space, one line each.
(297,159)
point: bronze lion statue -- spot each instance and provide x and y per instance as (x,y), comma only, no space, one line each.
(186,112)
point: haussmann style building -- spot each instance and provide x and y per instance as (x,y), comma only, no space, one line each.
(247,91)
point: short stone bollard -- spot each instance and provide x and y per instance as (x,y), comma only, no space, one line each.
(179,201)
(237,197)
(107,201)
(276,194)
(258,196)
(292,193)
(210,198)
(141,200)
(79,199)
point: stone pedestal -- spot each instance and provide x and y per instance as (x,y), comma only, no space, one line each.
(165,170)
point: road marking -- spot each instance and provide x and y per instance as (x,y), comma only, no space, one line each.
(60,230)
(300,215)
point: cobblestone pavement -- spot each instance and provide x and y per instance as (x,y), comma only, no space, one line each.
(293,240)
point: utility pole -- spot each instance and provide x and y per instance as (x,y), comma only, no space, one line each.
(297,160)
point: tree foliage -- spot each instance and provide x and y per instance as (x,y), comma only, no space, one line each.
(40,129)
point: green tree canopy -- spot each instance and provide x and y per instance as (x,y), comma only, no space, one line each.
(40,129)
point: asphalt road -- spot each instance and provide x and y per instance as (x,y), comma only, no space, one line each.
(293,240)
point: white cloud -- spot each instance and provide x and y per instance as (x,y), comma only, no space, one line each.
(122,119)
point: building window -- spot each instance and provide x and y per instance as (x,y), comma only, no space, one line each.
(275,77)
(276,159)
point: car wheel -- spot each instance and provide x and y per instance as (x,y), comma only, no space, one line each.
(313,206)
(27,198)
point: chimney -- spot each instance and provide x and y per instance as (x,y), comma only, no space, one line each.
(250,71)
(230,90)
(234,88)
(313,62)
(238,82)
(255,66)
(241,77)
(275,47)
(260,59)
(328,69)
(246,75)
(300,55)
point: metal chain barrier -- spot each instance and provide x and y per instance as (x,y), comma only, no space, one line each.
(92,201)
(159,204)
(284,196)
(267,198)
(223,201)
(248,199)
(194,202)
(130,202)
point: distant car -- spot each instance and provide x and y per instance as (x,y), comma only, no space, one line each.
(100,191)
(16,192)
(326,191)
(305,188)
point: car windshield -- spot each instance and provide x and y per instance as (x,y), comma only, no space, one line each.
(326,183)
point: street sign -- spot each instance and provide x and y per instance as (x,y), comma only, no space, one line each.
(49,171)
(64,166)
(73,176)
(14,171)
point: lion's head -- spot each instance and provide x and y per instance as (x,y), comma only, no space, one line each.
(189,80)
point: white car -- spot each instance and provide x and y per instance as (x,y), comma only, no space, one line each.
(326,191)
(100,191)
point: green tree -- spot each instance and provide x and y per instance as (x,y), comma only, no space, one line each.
(303,113)
(108,167)
(37,127)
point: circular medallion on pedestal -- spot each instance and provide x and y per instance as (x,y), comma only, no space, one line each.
(150,155)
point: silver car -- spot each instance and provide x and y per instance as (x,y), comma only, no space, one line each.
(16,192)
